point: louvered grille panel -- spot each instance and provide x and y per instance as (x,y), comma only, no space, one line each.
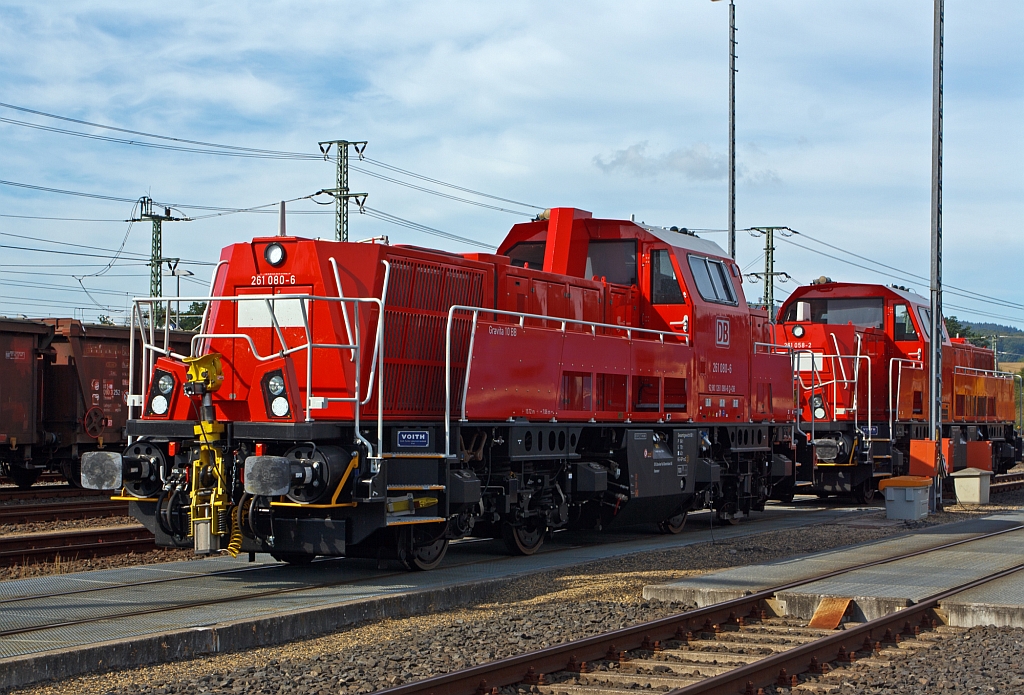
(420,293)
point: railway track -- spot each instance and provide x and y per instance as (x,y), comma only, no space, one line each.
(27,513)
(42,492)
(1006,482)
(733,647)
(32,548)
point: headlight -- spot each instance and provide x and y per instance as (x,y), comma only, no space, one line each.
(158,405)
(819,413)
(276,385)
(165,384)
(798,331)
(278,406)
(274,254)
(817,402)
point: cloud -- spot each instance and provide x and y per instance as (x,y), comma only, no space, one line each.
(697,163)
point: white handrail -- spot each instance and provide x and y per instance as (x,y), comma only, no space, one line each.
(894,410)
(201,341)
(476,310)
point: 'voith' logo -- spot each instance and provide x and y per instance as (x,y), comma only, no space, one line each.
(722,332)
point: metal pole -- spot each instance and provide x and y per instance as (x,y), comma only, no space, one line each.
(156,283)
(341,193)
(769,272)
(935,358)
(341,232)
(732,129)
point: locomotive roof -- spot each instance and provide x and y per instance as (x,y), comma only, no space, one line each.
(688,242)
(855,289)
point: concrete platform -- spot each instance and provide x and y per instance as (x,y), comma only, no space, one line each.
(999,603)
(473,571)
(883,589)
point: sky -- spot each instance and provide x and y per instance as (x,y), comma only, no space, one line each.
(616,108)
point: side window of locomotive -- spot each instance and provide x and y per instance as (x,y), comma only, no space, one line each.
(902,324)
(926,321)
(664,284)
(613,260)
(712,279)
(868,312)
(528,252)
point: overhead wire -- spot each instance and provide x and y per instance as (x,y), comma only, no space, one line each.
(905,276)
(921,278)
(401,222)
(245,152)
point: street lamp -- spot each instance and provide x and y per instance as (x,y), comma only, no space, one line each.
(732,127)
(179,273)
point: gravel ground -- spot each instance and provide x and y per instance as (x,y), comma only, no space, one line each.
(978,660)
(534,612)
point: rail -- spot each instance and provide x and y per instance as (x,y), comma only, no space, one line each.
(574,657)
(820,385)
(997,374)
(200,344)
(565,323)
(894,409)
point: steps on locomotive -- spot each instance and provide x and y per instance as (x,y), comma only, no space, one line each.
(406,520)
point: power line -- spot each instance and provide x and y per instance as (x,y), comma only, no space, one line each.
(919,278)
(68,243)
(393,219)
(437,193)
(905,276)
(414,175)
(58,219)
(161,137)
(234,151)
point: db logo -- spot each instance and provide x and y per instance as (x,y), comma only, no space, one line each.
(722,332)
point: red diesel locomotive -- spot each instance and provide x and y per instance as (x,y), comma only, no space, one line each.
(861,375)
(592,374)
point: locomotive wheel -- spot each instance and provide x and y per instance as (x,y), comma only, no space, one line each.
(427,557)
(522,540)
(24,478)
(293,558)
(673,525)
(864,493)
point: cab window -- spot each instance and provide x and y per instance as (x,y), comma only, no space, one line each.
(528,254)
(712,279)
(866,312)
(664,284)
(903,325)
(613,260)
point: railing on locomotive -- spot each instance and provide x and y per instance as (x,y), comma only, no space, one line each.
(998,374)
(202,340)
(476,310)
(818,383)
(916,365)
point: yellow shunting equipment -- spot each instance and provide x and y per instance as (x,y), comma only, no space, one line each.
(213,517)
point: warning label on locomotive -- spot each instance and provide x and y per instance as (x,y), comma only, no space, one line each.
(414,438)
(16,355)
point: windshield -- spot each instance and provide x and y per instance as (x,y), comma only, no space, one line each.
(862,312)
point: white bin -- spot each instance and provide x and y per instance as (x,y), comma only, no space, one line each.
(909,503)
(972,485)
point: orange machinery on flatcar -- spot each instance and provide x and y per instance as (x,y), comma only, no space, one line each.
(861,357)
(592,373)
